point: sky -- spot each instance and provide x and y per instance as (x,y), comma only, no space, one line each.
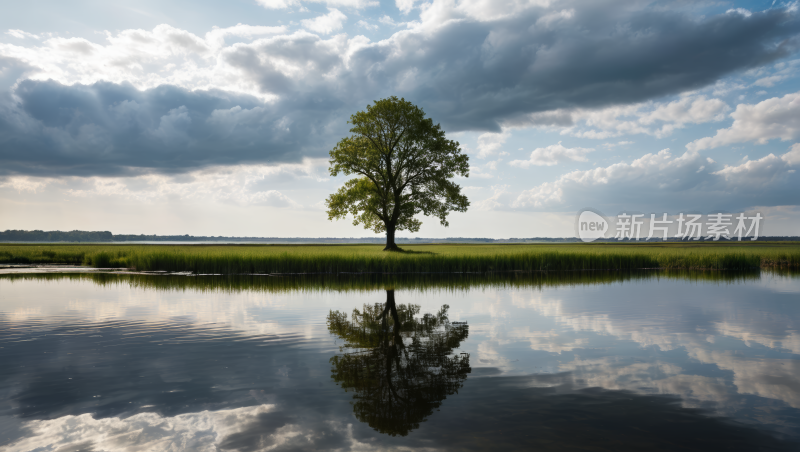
(212,118)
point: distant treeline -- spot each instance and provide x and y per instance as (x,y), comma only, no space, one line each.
(106,236)
(56,236)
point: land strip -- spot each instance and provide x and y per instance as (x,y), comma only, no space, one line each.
(448,258)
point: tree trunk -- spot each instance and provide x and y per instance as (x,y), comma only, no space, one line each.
(392,308)
(390,245)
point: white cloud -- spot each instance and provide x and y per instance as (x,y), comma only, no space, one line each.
(438,12)
(670,116)
(256,57)
(386,20)
(742,11)
(749,374)
(686,182)
(489,143)
(272,198)
(405,6)
(357,4)
(25,183)
(768,169)
(723,87)
(781,71)
(217,36)
(284,4)
(651,118)
(548,193)
(550,341)
(770,81)
(619,143)
(367,25)
(778,340)
(196,431)
(778,117)
(278,4)
(500,196)
(688,110)
(655,171)
(326,24)
(165,55)
(552,155)
(793,156)
(84,47)
(239,185)
(483,171)
(22,34)
(202,431)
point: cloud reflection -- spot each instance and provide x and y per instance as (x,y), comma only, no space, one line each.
(638,360)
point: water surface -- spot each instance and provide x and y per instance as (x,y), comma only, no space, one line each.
(578,361)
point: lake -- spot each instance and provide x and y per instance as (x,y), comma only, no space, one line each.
(579,361)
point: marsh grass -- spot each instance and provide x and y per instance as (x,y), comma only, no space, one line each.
(450,258)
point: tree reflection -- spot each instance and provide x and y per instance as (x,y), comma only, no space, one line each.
(400,366)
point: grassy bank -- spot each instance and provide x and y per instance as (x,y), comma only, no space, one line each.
(248,259)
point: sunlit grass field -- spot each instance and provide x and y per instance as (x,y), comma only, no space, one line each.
(446,258)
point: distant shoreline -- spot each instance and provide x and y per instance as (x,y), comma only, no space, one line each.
(346,241)
(17,237)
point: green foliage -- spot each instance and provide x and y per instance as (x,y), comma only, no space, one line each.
(474,258)
(403,165)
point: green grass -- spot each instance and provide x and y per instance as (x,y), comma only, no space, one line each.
(450,258)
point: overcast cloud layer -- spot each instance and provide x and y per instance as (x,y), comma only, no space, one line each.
(169,100)
(615,105)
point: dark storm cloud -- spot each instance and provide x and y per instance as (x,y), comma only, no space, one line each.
(107,128)
(466,74)
(477,74)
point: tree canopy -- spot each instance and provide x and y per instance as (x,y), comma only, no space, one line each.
(400,367)
(404,166)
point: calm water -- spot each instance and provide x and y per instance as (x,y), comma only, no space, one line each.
(560,362)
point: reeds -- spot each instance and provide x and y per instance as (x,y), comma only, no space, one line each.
(336,259)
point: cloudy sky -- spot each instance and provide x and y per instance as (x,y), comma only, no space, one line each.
(216,119)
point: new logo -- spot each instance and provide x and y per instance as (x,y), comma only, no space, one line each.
(590,225)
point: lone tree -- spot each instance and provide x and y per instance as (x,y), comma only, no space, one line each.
(404,164)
